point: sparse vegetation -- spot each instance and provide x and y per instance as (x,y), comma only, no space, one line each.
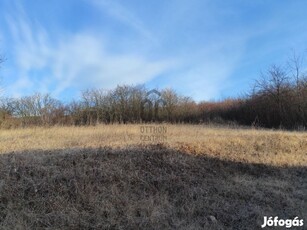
(103,177)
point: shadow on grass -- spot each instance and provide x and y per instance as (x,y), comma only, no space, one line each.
(149,187)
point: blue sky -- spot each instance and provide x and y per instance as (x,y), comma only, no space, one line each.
(203,49)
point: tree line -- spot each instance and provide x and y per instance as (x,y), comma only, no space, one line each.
(124,104)
(277,100)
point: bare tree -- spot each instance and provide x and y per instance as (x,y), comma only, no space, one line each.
(37,109)
(295,64)
(171,100)
(273,88)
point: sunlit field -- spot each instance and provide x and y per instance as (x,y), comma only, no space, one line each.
(106,177)
(279,148)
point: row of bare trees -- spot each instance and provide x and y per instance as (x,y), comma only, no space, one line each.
(281,99)
(37,109)
(132,104)
(124,104)
(277,100)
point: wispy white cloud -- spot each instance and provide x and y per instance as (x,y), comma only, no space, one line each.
(204,60)
(77,60)
(117,11)
(82,58)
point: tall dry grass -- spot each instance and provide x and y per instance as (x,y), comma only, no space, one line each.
(280,148)
(105,177)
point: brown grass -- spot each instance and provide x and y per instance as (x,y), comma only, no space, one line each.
(243,145)
(104,178)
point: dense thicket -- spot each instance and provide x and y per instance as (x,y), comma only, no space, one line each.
(278,100)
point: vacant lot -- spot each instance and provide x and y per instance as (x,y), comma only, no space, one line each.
(105,177)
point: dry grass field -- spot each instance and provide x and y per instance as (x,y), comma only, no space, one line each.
(105,177)
(277,148)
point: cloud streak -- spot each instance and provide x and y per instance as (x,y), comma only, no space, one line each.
(120,13)
(195,47)
(78,60)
